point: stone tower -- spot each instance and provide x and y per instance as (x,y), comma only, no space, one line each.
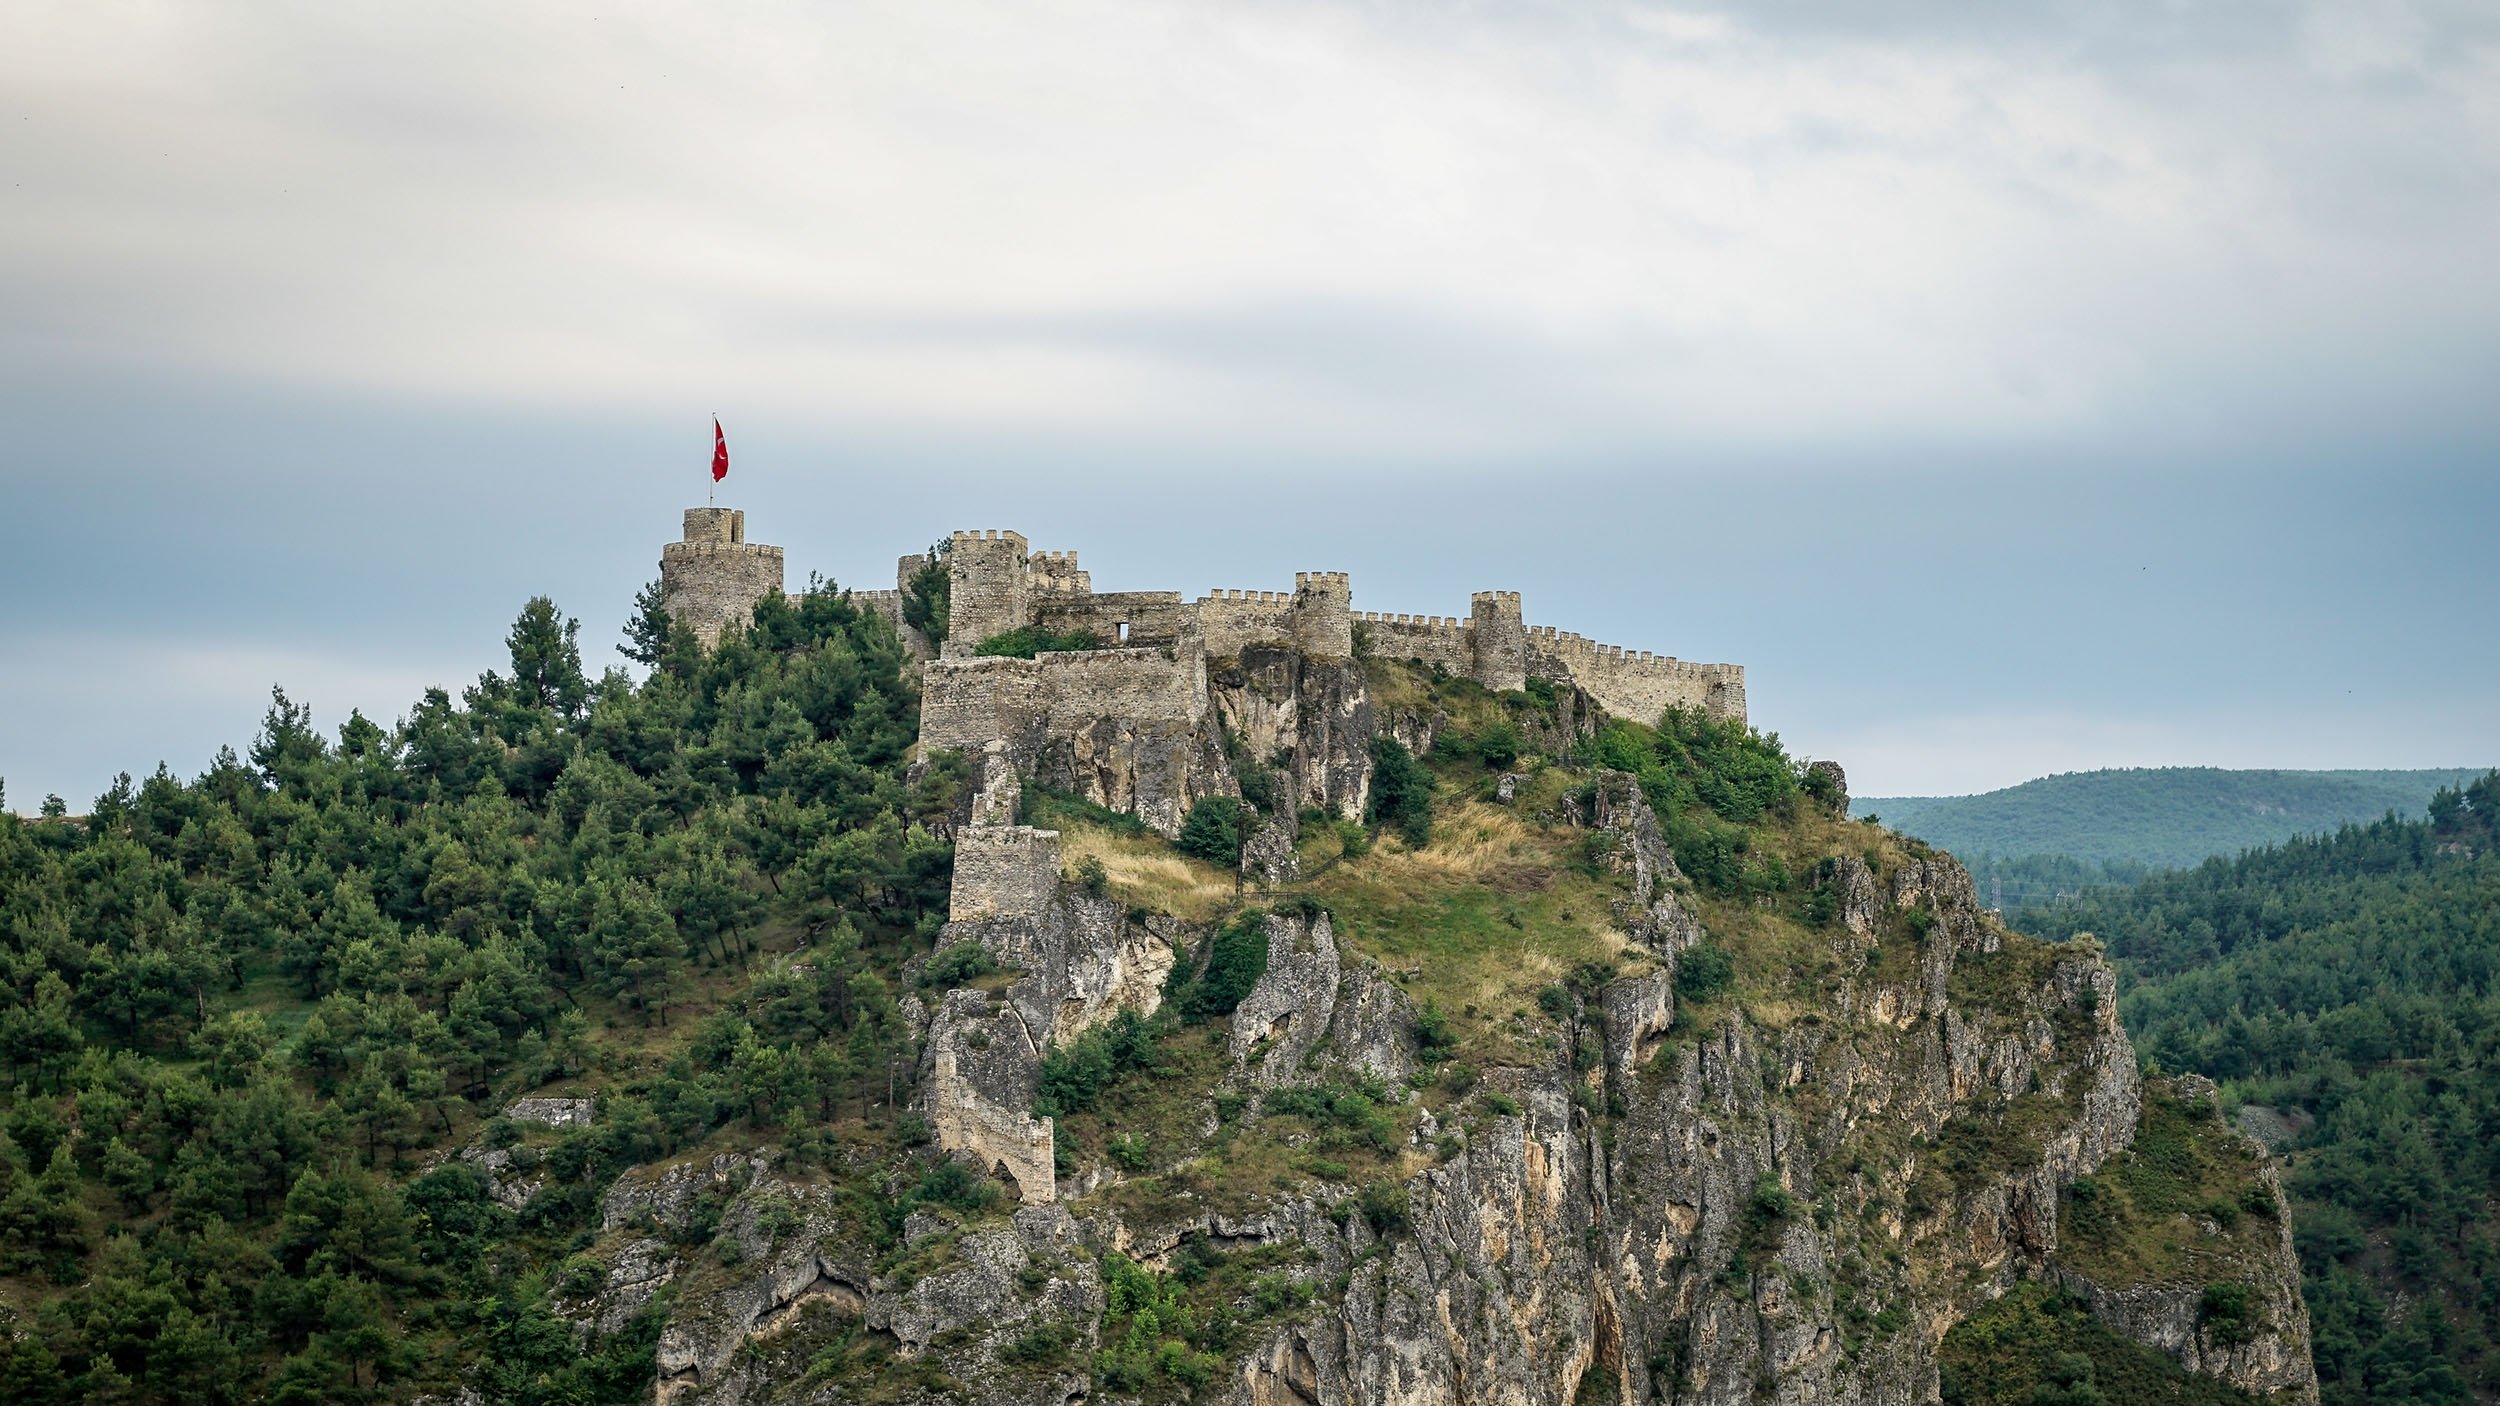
(712,579)
(987,588)
(1323,614)
(1501,640)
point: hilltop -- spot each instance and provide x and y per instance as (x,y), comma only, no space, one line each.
(2157,817)
(2341,989)
(992,991)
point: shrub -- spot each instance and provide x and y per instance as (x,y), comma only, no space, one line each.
(1433,1037)
(1092,877)
(1385,1208)
(2226,1313)
(1353,839)
(1236,960)
(1040,1346)
(1075,1075)
(1213,831)
(1347,1116)
(954,1185)
(1555,1001)
(1257,782)
(1498,745)
(1401,791)
(964,961)
(1703,971)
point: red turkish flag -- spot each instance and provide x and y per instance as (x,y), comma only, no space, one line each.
(720,452)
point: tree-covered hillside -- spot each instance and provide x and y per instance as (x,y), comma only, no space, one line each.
(563,1040)
(235,1011)
(2160,817)
(2349,987)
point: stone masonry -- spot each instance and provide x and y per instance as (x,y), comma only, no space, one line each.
(998,583)
(713,578)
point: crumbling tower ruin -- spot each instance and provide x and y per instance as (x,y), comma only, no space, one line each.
(713,578)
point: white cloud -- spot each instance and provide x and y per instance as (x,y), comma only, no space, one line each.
(1650,226)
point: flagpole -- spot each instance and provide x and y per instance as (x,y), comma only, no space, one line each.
(711,485)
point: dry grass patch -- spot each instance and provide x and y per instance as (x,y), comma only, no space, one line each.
(1480,919)
(1146,872)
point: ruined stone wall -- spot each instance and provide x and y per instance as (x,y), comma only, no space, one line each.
(966,703)
(712,579)
(1437,641)
(971,701)
(1634,683)
(1057,573)
(1117,617)
(1121,727)
(1003,871)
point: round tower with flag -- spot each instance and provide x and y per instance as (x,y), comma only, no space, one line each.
(712,578)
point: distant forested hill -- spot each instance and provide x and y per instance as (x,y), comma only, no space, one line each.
(2352,982)
(2165,817)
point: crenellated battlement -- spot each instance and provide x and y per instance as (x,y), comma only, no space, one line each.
(998,584)
(988,534)
(1416,622)
(712,577)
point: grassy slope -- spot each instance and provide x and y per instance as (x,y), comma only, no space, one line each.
(2167,816)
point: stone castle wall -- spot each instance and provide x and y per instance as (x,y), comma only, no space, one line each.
(1436,641)
(1151,671)
(1231,621)
(1634,683)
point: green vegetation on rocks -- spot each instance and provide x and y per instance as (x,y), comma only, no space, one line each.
(2341,988)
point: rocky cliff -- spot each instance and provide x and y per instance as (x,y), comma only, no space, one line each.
(1650,1140)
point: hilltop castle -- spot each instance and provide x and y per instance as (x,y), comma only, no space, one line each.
(1087,719)
(1181,702)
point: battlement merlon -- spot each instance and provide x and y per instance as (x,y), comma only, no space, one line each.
(712,578)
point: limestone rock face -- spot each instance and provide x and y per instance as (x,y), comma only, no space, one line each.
(1314,713)
(1655,915)
(1311,1014)
(1286,1015)
(983,1064)
(1267,855)
(799,1276)
(2274,1354)
(1713,1209)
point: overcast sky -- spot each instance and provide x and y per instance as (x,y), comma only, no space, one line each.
(2012,389)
